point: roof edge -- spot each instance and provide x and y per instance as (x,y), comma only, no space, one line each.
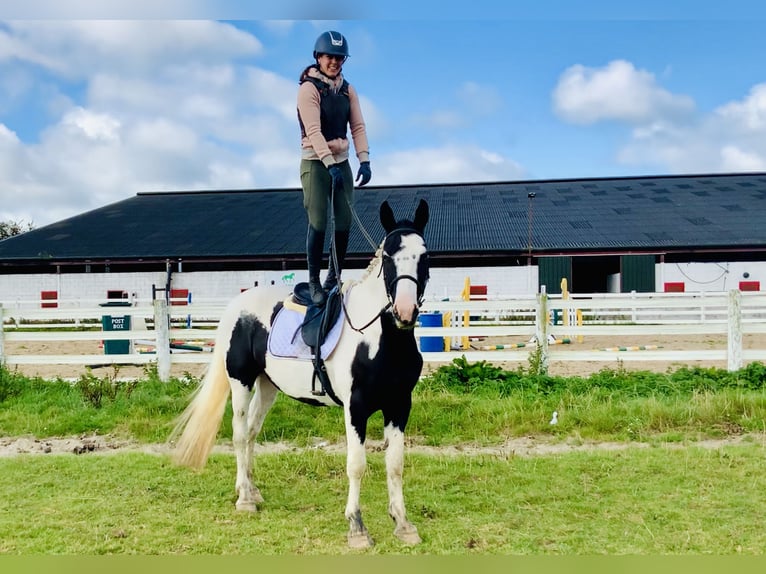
(473,183)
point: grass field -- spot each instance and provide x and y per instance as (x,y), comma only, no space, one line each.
(661,493)
(637,501)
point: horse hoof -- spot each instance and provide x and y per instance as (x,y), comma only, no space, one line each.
(361,540)
(408,536)
(246,507)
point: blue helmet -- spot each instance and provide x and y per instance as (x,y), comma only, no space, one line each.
(332,43)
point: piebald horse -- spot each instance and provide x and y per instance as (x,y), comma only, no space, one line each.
(374,367)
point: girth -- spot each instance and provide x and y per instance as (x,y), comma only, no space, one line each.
(317,323)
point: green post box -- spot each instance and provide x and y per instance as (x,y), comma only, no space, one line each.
(116,323)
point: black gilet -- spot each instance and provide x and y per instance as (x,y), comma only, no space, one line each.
(334,110)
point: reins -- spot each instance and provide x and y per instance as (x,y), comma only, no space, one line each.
(334,256)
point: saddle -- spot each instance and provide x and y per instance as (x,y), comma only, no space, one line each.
(317,323)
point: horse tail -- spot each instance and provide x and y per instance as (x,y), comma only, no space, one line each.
(197,427)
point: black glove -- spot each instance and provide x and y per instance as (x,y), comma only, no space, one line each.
(337,176)
(364,173)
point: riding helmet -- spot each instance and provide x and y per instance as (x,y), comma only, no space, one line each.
(332,43)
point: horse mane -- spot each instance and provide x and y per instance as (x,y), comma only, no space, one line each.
(373,262)
(403,226)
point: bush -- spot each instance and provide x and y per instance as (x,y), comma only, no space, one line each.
(464,377)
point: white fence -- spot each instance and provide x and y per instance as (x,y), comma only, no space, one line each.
(729,316)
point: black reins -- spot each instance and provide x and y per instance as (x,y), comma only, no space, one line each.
(389,289)
(394,281)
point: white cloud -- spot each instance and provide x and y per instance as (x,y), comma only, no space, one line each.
(175,106)
(444,165)
(110,8)
(618,92)
(92,125)
(375,121)
(8,137)
(734,159)
(730,139)
(749,115)
(272,91)
(78,49)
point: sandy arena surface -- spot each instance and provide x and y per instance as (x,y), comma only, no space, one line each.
(565,368)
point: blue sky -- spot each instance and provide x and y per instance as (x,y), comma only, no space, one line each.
(195,95)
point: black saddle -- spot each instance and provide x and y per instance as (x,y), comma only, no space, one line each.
(318,321)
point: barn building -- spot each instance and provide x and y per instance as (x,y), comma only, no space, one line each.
(657,233)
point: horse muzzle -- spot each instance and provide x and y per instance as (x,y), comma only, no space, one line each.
(403,323)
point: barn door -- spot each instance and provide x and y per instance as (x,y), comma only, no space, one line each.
(637,273)
(551,270)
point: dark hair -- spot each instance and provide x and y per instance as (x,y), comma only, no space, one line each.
(305,72)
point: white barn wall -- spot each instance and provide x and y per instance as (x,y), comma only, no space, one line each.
(710,276)
(500,281)
(92,287)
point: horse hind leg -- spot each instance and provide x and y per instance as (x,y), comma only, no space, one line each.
(260,404)
(249,412)
(356,462)
(403,530)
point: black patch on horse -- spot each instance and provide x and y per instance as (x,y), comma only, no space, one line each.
(246,357)
(385,382)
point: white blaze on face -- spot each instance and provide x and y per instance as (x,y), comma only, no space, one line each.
(406,263)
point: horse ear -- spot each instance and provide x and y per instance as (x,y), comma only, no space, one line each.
(387,217)
(421,215)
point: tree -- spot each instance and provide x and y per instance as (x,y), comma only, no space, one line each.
(10,228)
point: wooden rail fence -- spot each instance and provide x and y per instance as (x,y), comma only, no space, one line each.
(729,315)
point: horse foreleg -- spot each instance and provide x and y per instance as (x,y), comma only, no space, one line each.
(247,494)
(404,530)
(356,462)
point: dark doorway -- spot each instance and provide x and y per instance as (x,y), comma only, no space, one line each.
(590,274)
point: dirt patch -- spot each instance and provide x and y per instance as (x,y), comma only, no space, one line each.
(523,446)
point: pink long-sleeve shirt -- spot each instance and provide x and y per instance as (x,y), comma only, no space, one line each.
(313,144)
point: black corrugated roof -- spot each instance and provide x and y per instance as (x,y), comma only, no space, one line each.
(578,215)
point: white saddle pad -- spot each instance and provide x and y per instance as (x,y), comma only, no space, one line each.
(285,339)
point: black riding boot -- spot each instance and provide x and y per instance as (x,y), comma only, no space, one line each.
(314,249)
(340,240)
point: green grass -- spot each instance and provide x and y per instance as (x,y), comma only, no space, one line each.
(474,403)
(668,498)
(644,501)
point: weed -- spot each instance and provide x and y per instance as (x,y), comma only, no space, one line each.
(95,389)
(535,361)
(11,383)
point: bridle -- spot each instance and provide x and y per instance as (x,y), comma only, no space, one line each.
(386,265)
(390,285)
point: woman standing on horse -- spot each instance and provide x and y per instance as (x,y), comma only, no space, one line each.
(327,107)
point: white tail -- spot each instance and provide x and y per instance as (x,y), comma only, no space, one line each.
(197,427)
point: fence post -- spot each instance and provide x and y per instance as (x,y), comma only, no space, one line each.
(2,335)
(734,339)
(162,334)
(541,330)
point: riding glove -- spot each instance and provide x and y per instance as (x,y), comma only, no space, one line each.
(337,176)
(364,173)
